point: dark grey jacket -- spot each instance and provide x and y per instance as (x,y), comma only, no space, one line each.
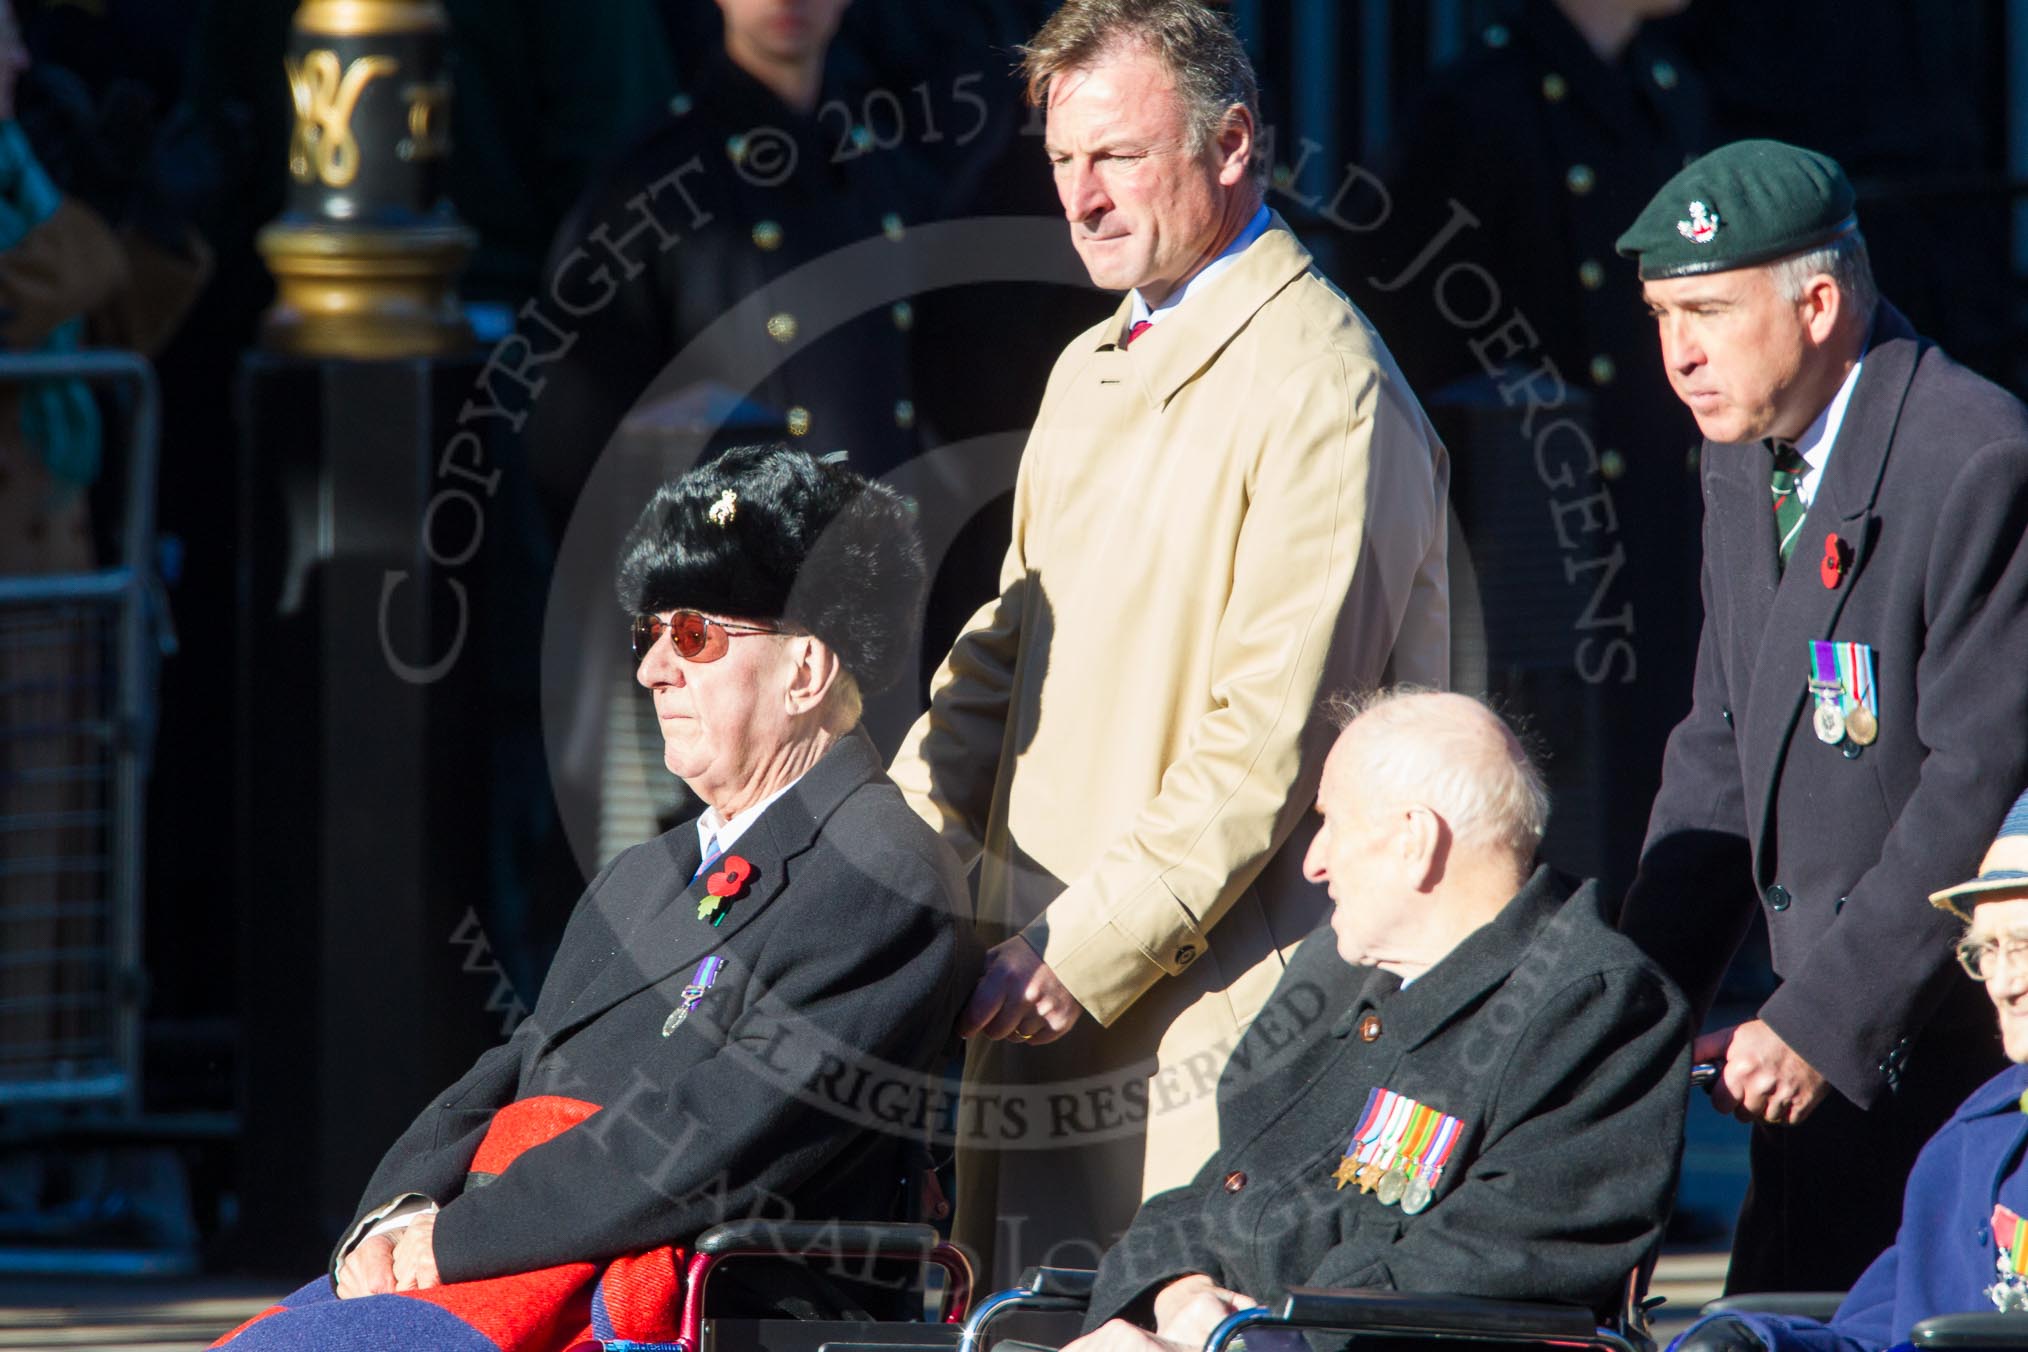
(1927,488)
(1561,1048)
(850,951)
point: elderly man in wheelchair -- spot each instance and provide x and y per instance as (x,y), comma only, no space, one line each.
(1494,1117)
(671,1076)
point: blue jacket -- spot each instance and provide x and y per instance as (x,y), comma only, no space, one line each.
(1942,1259)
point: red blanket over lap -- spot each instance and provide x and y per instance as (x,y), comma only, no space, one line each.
(550,1309)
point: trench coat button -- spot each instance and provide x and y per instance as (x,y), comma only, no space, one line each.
(1554,87)
(1185,956)
(1369,1028)
(1234,1181)
(1590,274)
(1777,897)
(798,421)
(1603,370)
(782,327)
(1580,179)
(1851,750)
(1612,465)
(767,235)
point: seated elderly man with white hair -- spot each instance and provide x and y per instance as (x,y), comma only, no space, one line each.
(1496,1108)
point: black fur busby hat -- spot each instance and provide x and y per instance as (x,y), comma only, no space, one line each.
(773,533)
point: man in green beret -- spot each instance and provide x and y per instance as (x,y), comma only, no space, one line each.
(1857,724)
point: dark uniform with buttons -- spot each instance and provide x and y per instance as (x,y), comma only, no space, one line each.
(1591,619)
(1560,1048)
(773,191)
(1926,494)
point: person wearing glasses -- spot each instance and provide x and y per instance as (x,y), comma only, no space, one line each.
(736,1005)
(1963,1245)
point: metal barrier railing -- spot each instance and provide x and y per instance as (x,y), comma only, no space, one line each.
(78,660)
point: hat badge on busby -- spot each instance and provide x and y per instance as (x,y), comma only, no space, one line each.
(1702,227)
(2004,870)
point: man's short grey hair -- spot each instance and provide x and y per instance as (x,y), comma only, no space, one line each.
(1849,265)
(1195,45)
(1427,754)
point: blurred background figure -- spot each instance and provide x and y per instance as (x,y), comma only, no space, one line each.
(1552,132)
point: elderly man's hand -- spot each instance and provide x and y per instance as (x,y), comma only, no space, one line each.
(1762,1079)
(1117,1335)
(415,1256)
(1019,997)
(368,1270)
(1187,1309)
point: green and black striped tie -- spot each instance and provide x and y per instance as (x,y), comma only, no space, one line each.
(1786,483)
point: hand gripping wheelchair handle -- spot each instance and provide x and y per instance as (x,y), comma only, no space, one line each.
(818,1239)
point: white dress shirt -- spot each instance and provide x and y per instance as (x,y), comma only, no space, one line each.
(1818,439)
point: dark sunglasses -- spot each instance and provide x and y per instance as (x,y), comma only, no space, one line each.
(696,636)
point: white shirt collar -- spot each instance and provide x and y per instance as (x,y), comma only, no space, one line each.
(1820,437)
(712,827)
(1251,231)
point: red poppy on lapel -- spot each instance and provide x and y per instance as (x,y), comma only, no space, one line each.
(728,884)
(1832,569)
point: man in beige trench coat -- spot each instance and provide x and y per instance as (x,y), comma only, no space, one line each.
(1230,504)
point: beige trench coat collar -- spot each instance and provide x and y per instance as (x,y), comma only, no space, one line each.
(1170,356)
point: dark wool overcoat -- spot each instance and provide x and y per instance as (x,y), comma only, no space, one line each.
(796,1086)
(1562,1051)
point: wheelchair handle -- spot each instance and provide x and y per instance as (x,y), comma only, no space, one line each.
(1704,1074)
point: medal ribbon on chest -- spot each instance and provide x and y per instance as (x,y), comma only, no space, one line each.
(2010,1238)
(1398,1150)
(1841,682)
(700,981)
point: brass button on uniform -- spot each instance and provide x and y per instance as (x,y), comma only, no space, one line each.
(1580,179)
(1590,275)
(903,314)
(904,413)
(1369,1028)
(1612,465)
(798,421)
(1603,370)
(767,235)
(1234,1181)
(1554,87)
(782,327)
(1664,73)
